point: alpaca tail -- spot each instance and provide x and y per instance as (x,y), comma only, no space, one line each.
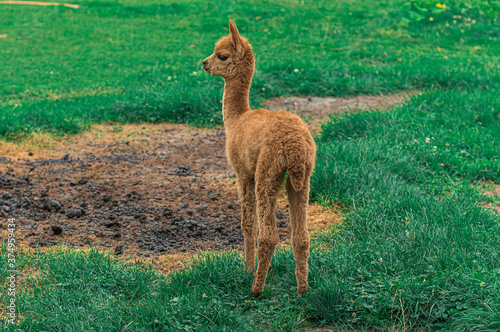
(296,166)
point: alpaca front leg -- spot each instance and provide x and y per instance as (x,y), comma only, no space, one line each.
(246,190)
(249,229)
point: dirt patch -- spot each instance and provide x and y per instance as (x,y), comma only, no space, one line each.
(153,190)
(315,109)
(156,187)
(494,192)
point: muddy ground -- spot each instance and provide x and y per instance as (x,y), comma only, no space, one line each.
(143,189)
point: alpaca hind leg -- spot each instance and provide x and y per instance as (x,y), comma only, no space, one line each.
(299,201)
(268,238)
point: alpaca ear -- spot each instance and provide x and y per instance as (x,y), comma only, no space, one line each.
(235,35)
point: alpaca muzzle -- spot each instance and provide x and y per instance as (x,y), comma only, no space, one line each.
(206,67)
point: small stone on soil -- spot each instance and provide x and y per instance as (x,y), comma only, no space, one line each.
(107,197)
(182,171)
(118,250)
(167,212)
(56,230)
(50,204)
(75,212)
(7,196)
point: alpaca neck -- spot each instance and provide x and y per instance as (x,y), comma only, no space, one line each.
(235,101)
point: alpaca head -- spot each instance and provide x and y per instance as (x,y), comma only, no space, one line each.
(232,56)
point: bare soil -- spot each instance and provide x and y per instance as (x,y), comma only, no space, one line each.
(157,191)
(495,194)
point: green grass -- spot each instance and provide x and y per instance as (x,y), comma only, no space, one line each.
(64,69)
(435,141)
(414,223)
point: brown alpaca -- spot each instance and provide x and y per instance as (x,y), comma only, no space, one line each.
(261,147)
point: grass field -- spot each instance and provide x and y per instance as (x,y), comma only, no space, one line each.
(64,69)
(416,251)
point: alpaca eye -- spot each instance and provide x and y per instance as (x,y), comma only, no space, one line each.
(222,58)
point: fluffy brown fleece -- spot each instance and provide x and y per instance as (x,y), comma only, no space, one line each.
(261,147)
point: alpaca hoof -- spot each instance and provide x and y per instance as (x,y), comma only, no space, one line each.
(255,292)
(301,290)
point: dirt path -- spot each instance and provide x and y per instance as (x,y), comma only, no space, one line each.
(149,190)
(314,110)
